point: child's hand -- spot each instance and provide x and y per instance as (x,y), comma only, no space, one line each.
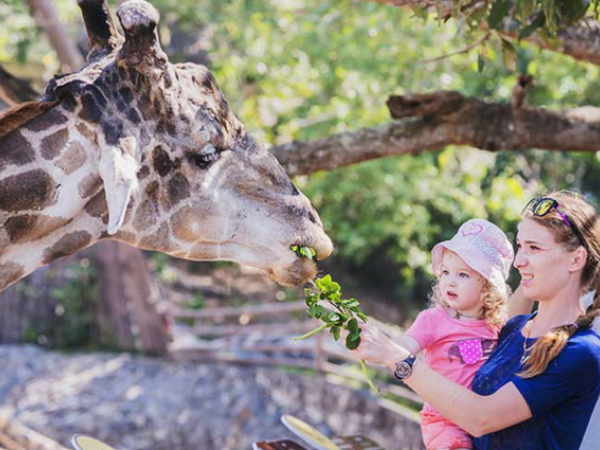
(341,318)
(376,347)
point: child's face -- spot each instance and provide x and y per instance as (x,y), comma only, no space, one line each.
(460,285)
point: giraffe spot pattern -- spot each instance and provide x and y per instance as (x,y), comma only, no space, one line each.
(178,188)
(126,94)
(16,150)
(134,116)
(49,119)
(97,207)
(31,227)
(87,133)
(52,145)
(9,273)
(89,185)
(112,131)
(73,158)
(148,211)
(161,161)
(187,224)
(143,172)
(90,111)
(33,190)
(67,245)
(158,241)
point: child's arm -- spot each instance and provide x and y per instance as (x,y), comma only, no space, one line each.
(410,344)
(519,304)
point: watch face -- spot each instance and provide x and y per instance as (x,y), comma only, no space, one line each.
(403,369)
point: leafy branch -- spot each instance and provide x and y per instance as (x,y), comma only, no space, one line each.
(342,314)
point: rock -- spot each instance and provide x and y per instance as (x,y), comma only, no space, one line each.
(142,403)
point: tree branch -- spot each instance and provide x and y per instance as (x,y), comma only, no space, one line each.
(432,121)
(581,42)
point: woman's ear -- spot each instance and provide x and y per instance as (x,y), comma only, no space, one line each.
(578,259)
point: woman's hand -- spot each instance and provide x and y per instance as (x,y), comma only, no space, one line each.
(376,347)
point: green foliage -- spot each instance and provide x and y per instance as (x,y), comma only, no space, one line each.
(75,311)
(197,302)
(344,316)
(305,252)
(77,301)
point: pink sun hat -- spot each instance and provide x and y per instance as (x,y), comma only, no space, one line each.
(483,247)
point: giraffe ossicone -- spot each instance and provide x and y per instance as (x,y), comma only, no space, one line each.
(134,148)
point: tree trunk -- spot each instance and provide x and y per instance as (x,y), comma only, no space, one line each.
(128,315)
(45,16)
(26,310)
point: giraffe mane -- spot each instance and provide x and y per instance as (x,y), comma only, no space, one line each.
(17,116)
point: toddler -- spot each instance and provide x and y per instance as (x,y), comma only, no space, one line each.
(459,332)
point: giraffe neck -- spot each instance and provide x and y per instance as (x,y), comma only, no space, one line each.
(51,197)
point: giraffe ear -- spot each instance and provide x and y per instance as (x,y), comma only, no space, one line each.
(118,168)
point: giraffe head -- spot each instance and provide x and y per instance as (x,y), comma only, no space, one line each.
(171,168)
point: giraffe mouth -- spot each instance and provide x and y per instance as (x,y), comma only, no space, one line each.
(300,272)
(304,251)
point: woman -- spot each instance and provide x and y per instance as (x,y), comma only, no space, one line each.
(539,387)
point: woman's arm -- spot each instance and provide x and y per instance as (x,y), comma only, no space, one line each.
(476,414)
(519,304)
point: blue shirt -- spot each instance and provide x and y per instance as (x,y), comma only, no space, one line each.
(561,399)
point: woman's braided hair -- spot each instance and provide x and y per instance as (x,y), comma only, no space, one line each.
(584,216)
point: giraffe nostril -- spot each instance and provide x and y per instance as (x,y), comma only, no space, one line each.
(312,218)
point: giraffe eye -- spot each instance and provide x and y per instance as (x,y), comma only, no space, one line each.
(205,158)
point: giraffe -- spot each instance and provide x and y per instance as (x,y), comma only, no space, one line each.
(134,148)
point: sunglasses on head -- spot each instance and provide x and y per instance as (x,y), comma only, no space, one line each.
(540,206)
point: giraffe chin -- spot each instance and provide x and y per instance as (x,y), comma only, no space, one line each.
(298,273)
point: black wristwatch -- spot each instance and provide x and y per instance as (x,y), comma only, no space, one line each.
(404,368)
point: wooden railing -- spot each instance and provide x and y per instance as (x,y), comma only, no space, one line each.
(262,335)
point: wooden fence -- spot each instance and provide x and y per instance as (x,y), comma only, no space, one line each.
(262,335)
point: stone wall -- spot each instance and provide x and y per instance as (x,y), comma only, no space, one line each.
(135,403)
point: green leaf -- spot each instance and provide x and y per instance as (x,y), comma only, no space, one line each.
(572,11)
(420,12)
(500,9)
(537,23)
(524,9)
(480,63)
(362,316)
(336,333)
(509,55)
(323,283)
(317,311)
(350,303)
(352,343)
(353,326)
(331,317)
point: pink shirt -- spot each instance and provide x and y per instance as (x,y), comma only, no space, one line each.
(453,348)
